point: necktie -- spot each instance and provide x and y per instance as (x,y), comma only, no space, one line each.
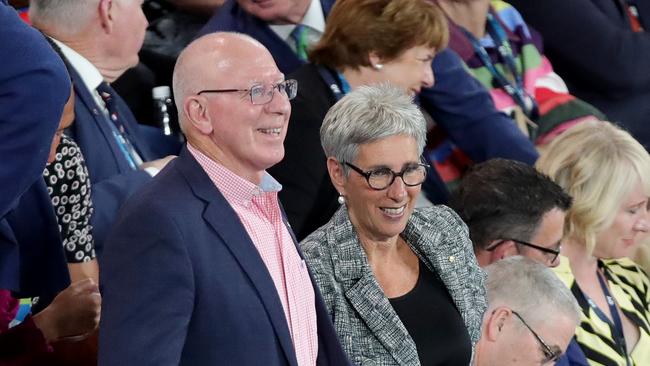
(120,134)
(299,36)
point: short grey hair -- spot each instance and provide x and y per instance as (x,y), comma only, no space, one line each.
(367,114)
(531,289)
(67,17)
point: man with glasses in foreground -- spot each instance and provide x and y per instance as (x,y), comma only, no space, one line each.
(202,268)
(511,209)
(531,316)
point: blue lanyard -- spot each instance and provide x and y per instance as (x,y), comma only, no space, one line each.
(616,325)
(335,80)
(516,91)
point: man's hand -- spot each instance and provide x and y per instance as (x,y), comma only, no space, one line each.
(74,312)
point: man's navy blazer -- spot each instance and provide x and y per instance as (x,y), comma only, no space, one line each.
(183,284)
(231,17)
(110,175)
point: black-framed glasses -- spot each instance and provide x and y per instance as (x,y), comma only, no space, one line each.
(378,179)
(553,252)
(550,353)
(263,94)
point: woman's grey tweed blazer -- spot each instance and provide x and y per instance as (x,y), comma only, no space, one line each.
(368,327)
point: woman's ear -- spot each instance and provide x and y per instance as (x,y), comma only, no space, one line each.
(196,110)
(375,61)
(337,175)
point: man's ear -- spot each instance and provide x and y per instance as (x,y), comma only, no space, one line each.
(504,250)
(337,175)
(105,12)
(494,326)
(196,110)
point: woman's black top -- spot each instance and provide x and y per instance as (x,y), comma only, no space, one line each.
(434,323)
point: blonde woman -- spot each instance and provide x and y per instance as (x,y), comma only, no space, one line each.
(608,174)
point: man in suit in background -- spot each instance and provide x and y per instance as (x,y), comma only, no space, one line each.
(511,209)
(100,39)
(456,102)
(203,254)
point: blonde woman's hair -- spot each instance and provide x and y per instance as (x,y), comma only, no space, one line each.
(598,164)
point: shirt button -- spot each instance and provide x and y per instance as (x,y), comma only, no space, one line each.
(452,258)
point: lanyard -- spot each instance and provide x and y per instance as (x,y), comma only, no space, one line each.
(335,80)
(615,324)
(632,12)
(516,91)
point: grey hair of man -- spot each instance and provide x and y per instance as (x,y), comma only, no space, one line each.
(367,114)
(531,289)
(67,16)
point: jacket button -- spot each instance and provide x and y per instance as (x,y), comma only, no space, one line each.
(452,258)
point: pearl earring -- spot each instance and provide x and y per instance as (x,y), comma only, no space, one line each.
(378,66)
(341,200)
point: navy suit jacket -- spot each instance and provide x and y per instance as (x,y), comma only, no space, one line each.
(185,285)
(33,89)
(232,18)
(113,181)
(592,46)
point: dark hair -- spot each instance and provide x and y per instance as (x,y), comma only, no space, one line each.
(388,27)
(504,199)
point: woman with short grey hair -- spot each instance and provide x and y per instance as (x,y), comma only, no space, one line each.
(402,285)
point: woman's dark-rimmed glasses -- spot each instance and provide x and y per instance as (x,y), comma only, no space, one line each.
(379,179)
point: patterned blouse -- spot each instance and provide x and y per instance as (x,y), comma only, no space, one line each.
(629,286)
(69,188)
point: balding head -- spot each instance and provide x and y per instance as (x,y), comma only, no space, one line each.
(207,63)
(212,82)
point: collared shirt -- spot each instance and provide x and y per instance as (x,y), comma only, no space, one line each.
(258,209)
(89,74)
(314,21)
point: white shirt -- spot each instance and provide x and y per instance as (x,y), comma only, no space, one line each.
(89,74)
(314,22)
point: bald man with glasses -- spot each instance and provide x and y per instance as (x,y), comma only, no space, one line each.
(210,268)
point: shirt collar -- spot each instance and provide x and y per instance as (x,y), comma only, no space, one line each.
(233,187)
(89,74)
(314,19)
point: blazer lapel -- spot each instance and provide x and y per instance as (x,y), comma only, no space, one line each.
(85,97)
(362,290)
(224,220)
